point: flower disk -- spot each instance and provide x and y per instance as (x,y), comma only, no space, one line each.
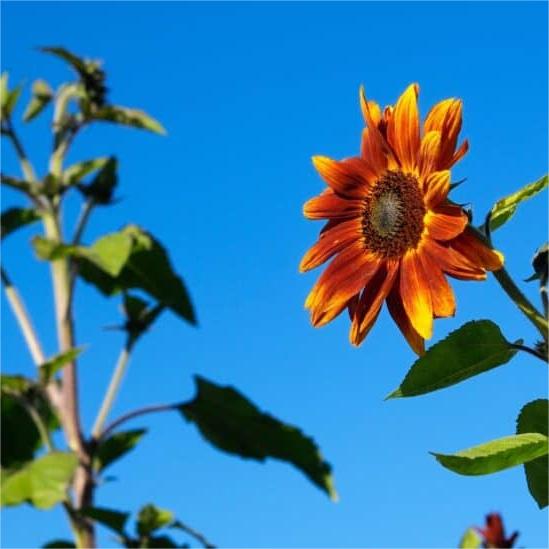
(391,230)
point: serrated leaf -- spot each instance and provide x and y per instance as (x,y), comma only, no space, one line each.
(151,519)
(115,447)
(75,173)
(115,520)
(533,418)
(496,455)
(15,218)
(234,424)
(470,540)
(505,208)
(474,348)
(42,482)
(42,94)
(49,368)
(129,117)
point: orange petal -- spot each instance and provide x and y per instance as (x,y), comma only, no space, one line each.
(452,262)
(429,153)
(396,309)
(442,295)
(369,305)
(370,110)
(446,221)
(350,178)
(371,150)
(477,252)
(416,294)
(446,118)
(328,205)
(437,186)
(403,130)
(331,242)
(460,153)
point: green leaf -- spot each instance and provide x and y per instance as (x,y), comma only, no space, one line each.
(42,482)
(115,520)
(115,447)
(102,187)
(59,544)
(470,540)
(533,418)
(234,424)
(139,314)
(505,208)
(15,218)
(20,185)
(129,117)
(42,94)
(151,519)
(77,63)
(111,252)
(49,368)
(148,268)
(3,90)
(496,455)
(75,173)
(476,347)
(50,250)
(8,97)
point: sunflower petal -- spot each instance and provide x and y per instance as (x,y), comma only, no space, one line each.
(396,309)
(452,262)
(371,150)
(370,110)
(403,130)
(330,243)
(437,186)
(446,221)
(428,153)
(460,153)
(350,178)
(416,294)
(446,118)
(478,253)
(328,205)
(442,295)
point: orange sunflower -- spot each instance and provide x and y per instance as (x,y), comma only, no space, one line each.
(391,227)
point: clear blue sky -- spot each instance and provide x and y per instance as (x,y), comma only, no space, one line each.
(248,93)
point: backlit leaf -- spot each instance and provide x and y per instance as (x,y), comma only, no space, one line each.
(152,518)
(470,540)
(49,368)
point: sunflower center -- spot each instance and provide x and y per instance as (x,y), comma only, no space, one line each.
(393,214)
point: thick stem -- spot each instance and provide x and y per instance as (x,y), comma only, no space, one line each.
(114,387)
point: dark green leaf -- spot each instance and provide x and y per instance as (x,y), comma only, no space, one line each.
(115,447)
(59,544)
(19,184)
(505,208)
(148,268)
(42,482)
(54,364)
(42,94)
(470,540)
(102,187)
(234,424)
(77,63)
(159,542)
(476,347)
(533,418)
(496,455)
(75,173)
(115,520)
(129,117)
(139,314)
(15,218)
(152,518)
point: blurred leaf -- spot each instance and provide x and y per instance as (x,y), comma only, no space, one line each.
(15,218)
(496,455)
(139,314)
(110,252)
(129,117)
(476,347)
(49,368)
(8,97)
(42,94)
(234,424)
(75,173)
(59,544)
(19,184)
(152,518)
(77,63)
(159,542)
(102,186)
(470,540)
(115,520)
(148,268)
(4,90)
(115,447)
(505,208)
(50,250)
(42,482)
(533,418)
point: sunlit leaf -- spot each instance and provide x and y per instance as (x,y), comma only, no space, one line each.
(116,446)
(8,98)
(129,117)
(42,94)
(470,540)
(151,519)
(533,418)
(75,173)
(476,347)
(15,218)
(496,455)
(49,368)
(505,208)
(234,424)
(42,482)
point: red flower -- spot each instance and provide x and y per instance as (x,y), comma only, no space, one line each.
(494,533)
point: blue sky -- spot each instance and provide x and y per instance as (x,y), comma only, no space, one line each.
(248,93)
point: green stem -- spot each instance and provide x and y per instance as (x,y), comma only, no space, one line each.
(114,387)
(26,166)
(529,350)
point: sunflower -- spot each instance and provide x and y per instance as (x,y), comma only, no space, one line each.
(393,231)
